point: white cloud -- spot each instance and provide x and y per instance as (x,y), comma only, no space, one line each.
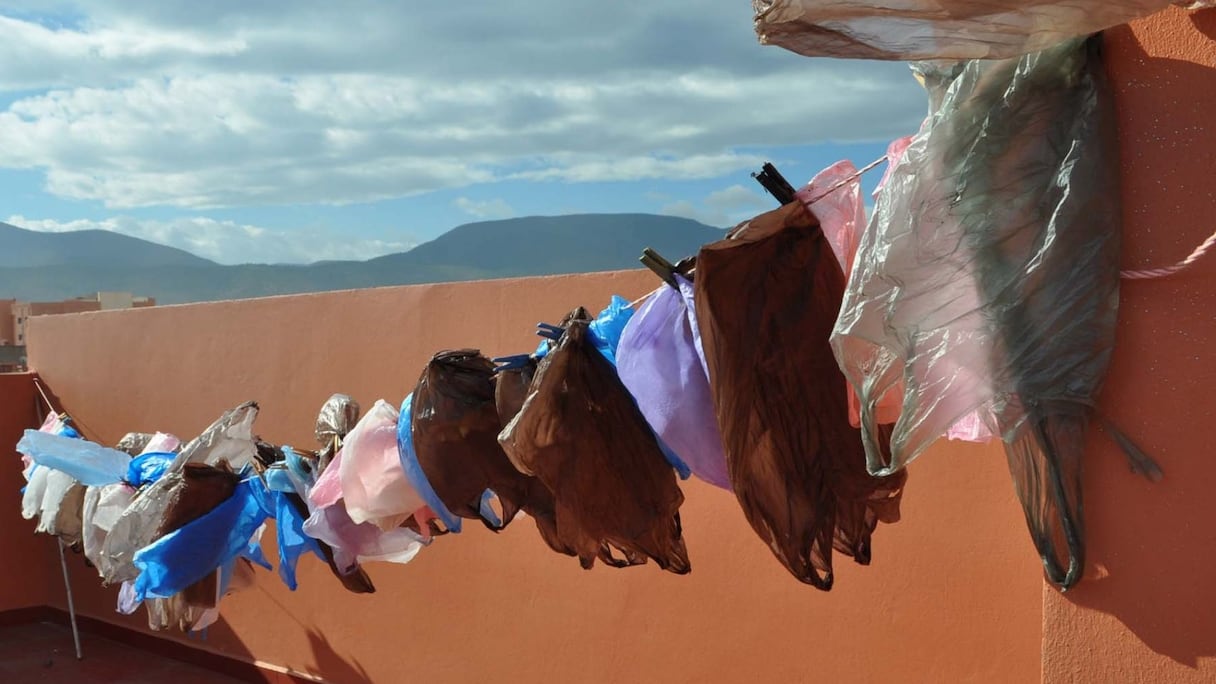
(228,242)
(203,105)
(721,208)
(487,209)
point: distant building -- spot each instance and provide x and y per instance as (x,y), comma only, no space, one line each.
(14,314)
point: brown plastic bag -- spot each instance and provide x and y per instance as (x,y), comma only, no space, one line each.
(766,300)
(456,430)
(581,434)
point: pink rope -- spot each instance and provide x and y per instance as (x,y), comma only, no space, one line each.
(1186,263)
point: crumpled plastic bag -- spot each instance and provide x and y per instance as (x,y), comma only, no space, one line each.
(187,558)
(102,508)
(56,500)
(582,435)
(192,492)
(354,543)
(89,463)
(229,439)
(373,482)
(988,279)
(766,299)
(303,470)
(936,29)
(455,435)
(230,436)
(338,416)
(661,362)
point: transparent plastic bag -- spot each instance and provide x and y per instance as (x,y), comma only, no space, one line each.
(936,29)
(987,281)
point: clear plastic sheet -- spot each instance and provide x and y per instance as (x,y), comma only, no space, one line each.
(936,29)
(988,279)
(581,434)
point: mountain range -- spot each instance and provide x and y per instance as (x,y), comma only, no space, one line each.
(41,266)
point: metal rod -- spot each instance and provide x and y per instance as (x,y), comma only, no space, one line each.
(63,563)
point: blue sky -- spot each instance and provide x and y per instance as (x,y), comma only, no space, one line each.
(247,133)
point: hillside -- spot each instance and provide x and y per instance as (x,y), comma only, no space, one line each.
(490,249)
(20,248)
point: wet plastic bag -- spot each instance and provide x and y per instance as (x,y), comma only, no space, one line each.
(936,29)
(988,278)
(660,361)
(582,435)
(766,299)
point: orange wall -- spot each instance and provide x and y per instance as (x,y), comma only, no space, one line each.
(1147,609)
(30,564)
(953,593)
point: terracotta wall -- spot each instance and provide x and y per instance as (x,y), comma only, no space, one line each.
(29,563)
(1147,609)
(953,593)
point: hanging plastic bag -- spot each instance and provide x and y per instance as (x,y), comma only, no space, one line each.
(766,299)
(581,434)
(455,437)
(660,361)
(374,484)
(102,508)
(1001,227)
(937,29)
(89,463)
(231,436)
(229,439)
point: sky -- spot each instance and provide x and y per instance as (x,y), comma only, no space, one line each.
(268,132)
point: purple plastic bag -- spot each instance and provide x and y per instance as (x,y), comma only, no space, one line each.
(661,363)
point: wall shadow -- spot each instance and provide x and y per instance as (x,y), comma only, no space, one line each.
(1152,547)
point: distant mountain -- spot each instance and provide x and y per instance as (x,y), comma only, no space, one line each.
(539,245)
(20,248)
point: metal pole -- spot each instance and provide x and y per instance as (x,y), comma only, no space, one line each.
(63,563)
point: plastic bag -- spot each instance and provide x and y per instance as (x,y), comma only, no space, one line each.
(581,434)
(660,361)
(228,439)
(374,484)
(766,299)
(301,471)
(338,416)
(89,463)
(936,29)
(102,508)
(988,278)
(455,432)
(230,436)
